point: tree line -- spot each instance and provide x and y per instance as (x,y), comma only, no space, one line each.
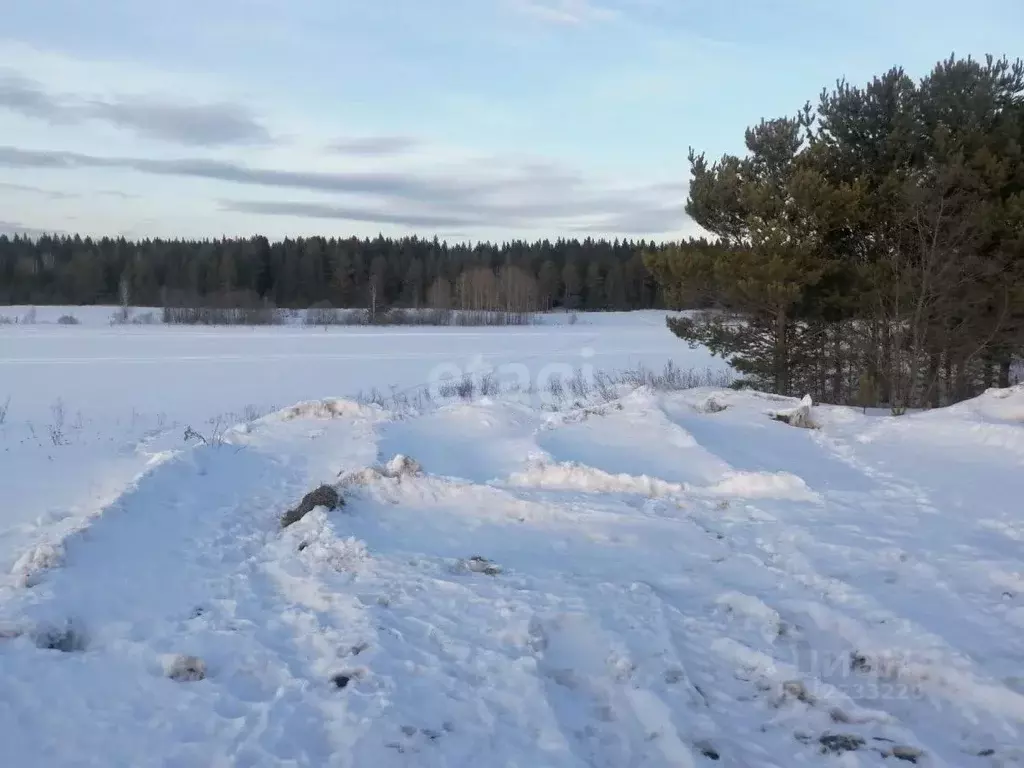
(376,273)
(868,250)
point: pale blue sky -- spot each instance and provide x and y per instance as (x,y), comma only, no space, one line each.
(471,119)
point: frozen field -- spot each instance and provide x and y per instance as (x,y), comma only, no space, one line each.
(619,579)
(196,373)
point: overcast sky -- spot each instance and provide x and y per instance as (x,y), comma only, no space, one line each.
(470,119)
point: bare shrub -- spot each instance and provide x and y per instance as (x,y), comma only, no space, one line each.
(67,320)
(463,388)
(4,406)
(229,308)
(252,413)
(327,315)
(56,427)
(29,318)
(602,386)
(671,378)
(146,318)
(489,385)
(222,316)
(437,316)
(395,316)
(448,317)
(125,294)
(266,315)
(578,385)
(5,320)
(604,383)
(323,314)
(216,436)
(486,317)
(556,388)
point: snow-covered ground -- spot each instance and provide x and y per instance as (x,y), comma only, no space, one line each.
(663,579)
(82,408)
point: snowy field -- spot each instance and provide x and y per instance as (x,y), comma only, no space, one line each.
(616,579)
(92,403)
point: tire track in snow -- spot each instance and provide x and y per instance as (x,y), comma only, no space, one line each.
(796,566)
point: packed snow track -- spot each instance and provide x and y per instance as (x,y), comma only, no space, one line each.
(661,580)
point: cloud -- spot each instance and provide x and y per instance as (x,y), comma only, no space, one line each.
(53,194)
(376,215)
(205,125)
(564,11)
(642,220)
(56,194)
(373,146)
(527,195)
(196,124)
(19,94)
(393,184)
(14,228)
(645,219)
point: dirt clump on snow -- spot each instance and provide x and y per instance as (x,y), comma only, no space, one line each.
(478,564)
(66,639)
(324,496)
(837,743)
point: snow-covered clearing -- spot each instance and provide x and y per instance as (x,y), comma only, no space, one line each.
(666,579)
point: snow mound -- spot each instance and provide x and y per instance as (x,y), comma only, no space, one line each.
(762,485)
(30,567)
(997,404)
(571,475)
(314,536)
(328,408)
(396,468)
(800,416)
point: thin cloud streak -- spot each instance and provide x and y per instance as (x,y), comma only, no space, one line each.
(345,213)
(642,221)
(24,96)
(373,146)
(53,194)
(195,124)
(570,12)
(379,183)
(530,196)
(15,228)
